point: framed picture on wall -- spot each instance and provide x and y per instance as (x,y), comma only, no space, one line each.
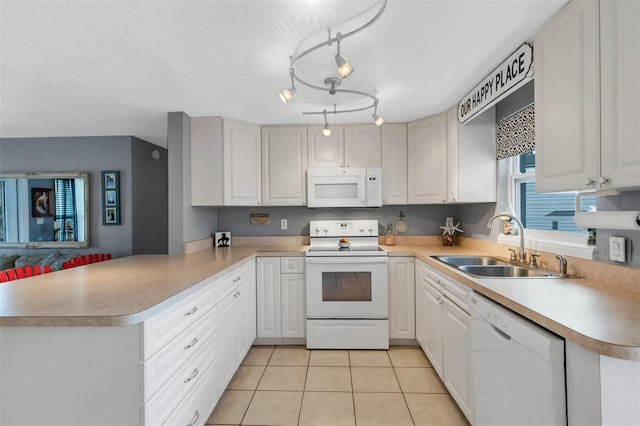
(42,202)
(111,197)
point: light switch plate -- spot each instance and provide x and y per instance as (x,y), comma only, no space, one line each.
(617,249)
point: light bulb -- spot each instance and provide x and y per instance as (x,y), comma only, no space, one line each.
(378,120)
(287,94)
(327,130)
(344,68)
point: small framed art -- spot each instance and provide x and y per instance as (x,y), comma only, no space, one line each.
(111,197)
(223,239)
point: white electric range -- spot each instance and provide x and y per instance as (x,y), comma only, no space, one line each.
(346,287)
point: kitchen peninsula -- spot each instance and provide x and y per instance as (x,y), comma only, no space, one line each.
(99,328)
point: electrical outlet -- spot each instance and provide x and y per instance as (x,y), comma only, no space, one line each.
(283,224)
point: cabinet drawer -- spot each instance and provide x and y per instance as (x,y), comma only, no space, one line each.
(185,379)
(163,327)
(161,366)
(225,285)
(292,265)
(454,290)
(199,402)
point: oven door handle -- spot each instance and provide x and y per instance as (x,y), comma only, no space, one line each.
(347,260)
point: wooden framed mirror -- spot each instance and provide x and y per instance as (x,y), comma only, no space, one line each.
(44,210)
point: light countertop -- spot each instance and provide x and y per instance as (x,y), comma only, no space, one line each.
(601,318)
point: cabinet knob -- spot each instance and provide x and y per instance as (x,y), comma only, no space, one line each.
(603,179)
(300,277)
(258,203)
(588,181)
(444,200)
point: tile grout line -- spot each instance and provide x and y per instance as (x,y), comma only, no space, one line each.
(353,394)
(403,396)
(304,387)
(257,384)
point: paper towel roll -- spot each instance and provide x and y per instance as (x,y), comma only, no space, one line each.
(608,220)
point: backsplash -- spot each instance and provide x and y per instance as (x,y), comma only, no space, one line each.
(422,220)
(622,202)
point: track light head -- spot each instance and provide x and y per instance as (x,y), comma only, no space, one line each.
(378,120)
(344,68)
(287,94)
(327,130)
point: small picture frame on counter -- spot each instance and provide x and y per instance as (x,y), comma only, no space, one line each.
(222,239)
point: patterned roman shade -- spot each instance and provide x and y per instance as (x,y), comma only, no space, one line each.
(516,133)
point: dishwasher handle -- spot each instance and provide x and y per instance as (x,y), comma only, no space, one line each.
(501,333)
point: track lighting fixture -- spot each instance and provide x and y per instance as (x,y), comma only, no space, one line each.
(344,68)
(378,120)
(287,94)
(327,130)
(332,83)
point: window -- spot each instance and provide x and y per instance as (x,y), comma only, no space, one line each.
(546,212)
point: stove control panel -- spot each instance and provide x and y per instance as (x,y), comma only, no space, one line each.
(343,228)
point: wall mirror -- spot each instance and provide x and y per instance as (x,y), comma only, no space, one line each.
(44,210)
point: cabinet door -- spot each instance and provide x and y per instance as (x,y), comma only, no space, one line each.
(566,96)
(402,318)
(268,297)
(206,161)
(227,338)
(245,320)
(471,151)
(427,151)
(394,164)
(294,318)
(325,151)
(421,305)
(362,146)
(284,166)
(457,356)
(241,146)
(620,88)
(434,345)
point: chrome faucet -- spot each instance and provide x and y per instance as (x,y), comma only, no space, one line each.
(563,265)
(501,216)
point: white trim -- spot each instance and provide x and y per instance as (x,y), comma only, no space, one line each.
(538,242)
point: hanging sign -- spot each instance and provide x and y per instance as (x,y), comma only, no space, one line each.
(502,81)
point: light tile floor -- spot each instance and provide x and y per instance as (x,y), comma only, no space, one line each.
(289,385)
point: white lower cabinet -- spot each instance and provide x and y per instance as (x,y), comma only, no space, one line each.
(443,331)
(402,318)
(280,303)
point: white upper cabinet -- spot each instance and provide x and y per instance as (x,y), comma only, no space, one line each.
(241,147)
(206,162)
(348,146)
(620,86)
(567,100)
(325,151)
(362,146)
(394,164)
(284,166)
(471,150)
(427,158)
(225,163)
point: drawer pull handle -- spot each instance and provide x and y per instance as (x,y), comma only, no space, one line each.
(195,418)
(192,311)
(192,376)
(192,344)
(235,280)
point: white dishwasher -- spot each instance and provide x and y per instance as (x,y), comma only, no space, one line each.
(518,369)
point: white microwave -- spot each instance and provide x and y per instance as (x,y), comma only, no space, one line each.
(344,187)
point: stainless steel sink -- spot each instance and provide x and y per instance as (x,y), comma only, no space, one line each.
(471,260)
(503,271)
(492,267)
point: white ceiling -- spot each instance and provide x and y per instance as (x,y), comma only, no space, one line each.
(82,68)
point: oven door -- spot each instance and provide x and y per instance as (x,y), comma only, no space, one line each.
(347,287)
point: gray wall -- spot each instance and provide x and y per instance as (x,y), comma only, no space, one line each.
(186,223)
(149,183)
(91,154)
(622,202)
(422,220)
